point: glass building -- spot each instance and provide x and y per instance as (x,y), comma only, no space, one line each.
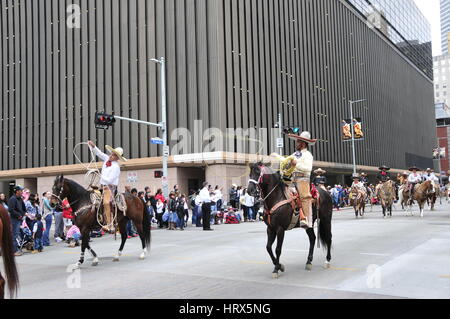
(445,25)
(405,25)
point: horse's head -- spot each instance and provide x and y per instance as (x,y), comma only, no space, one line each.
(59,191)
(255,179)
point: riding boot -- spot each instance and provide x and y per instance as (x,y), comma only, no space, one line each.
(306,211)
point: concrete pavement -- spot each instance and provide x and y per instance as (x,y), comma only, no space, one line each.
(401,257)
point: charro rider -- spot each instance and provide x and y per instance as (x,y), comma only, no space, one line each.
(320,180)
(302,159)
(413,179)
(357,183)
(109,178)
(383,176)
(430,176)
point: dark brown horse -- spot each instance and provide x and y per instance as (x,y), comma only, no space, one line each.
(6,246)
(86,217)
(267,184)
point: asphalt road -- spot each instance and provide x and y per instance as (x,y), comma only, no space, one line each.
(401,257)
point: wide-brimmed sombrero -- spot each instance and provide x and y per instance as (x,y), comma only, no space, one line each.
(118,151)
(305,137)
(414,168)
(405,173)
(363,174)
(384,167)
(320,171)
(356,176)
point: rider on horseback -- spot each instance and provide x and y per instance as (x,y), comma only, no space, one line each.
(359,186)
(320,180)
(110,178)
(382,177)
(303,162)
(413,179)
(430,176)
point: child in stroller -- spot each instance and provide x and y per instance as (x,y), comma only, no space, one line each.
(25,240)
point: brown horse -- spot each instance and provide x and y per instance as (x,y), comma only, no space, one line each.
(358,201)
(433,196)
(421,194)
(6,245)
(269,185)
(387,197)
(86,216)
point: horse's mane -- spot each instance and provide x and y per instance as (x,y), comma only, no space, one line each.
(75,186)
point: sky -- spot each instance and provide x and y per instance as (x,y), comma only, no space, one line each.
(430,9)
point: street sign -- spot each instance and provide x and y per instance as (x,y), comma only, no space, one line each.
(280,142)
(132,177)
(157,141)
(166,151)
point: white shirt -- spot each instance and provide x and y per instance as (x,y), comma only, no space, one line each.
(432,177)
(304,162)
(414,178)
(359,185)
(249,200)
(159,207)
(204,195)
(110,175)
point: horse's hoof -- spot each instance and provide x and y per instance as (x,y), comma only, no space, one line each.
(327,265)
(76,266)
(275,275)
(308,267)
(142,256)
(116,259)
(282,268)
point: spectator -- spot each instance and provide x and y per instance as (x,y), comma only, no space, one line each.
(73,236)
(173,216)
(134,192)
(38,230)
(160,212)
(242,204)
(159,195)
(180,212)
(198,210)
(47,217)
(3,201)
(205,199)
(233,196)
(32,209)
(249,202)
(59,223)
(67,215)
(239,196)
(218,198)
(17,211)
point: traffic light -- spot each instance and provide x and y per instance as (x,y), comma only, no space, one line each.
(104,121)
(159,174)
(291,130)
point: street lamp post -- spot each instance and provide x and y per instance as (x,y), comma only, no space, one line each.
(353,133)
(165,183)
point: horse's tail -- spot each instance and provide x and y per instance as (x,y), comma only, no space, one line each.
(325,214)
(8,254)
(146,224)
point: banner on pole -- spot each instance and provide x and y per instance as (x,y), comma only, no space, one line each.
(347,129)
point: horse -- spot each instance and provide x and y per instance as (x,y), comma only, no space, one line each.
(272,189)
(86,217)
(358,201)
(6,245)
(387,197)
(433,196)
(421,194)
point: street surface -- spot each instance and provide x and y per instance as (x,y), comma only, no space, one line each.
(402,257)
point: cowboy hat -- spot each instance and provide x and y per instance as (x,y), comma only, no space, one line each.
(384,167)
(363,174)
(118,151)
(405,173)
(305,137)
(320,171)
(428,169)
(414,168)
(356,176)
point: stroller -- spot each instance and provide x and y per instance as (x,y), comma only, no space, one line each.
(25,239)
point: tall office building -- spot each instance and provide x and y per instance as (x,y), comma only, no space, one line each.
(445,25)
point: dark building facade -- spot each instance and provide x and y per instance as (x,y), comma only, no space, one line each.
(230,64)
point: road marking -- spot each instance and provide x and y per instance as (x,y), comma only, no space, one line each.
(345,269)
(182,258)
(370,254)
(445,276)
(254,262)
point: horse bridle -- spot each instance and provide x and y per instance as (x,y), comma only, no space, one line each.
(258,184)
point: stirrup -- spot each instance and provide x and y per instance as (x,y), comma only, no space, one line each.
(304,224)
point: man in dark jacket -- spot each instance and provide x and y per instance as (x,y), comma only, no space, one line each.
(233,196)
(16,208)
(383,175)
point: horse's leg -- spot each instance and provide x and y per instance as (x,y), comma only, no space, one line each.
(95,261)
(123,234)
(140,230)
(280,239)
(312,243)
(422,207)
(84,244)
(271,235)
